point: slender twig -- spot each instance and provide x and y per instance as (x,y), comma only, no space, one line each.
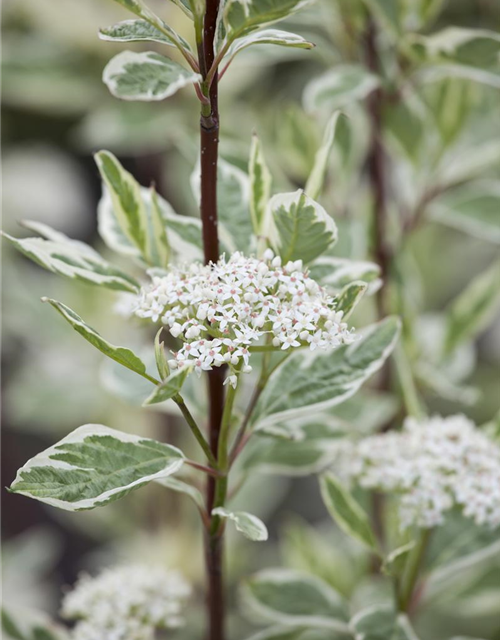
(195,429)
(238,441)
(412,571)
(201,467)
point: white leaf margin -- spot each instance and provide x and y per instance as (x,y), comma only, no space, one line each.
(116,66)
(238,518)
(44,459)
(284,576)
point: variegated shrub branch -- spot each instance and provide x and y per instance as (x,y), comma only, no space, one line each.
(280,310)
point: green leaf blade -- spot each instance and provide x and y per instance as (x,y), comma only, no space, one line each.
(249,525)
(122,355)
(134,31)
(294,598)
(346,512)
(93,466)
(312,381)
(73,259)
(299,228)
(146,76)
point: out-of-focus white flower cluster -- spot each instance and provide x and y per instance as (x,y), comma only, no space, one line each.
(219,310)
(126,603)
(433,465)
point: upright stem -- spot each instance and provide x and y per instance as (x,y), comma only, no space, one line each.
(209,149)
(377,169)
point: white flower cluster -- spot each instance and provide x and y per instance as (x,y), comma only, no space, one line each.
(220,310)
(433,465)
(126,603)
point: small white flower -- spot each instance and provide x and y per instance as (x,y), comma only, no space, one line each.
(432,465)
(126,603)
(218,311)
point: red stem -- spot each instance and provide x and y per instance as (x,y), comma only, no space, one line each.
(209,138)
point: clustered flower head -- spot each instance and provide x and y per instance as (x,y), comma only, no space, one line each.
(220,310)
(126,603)
(433,465)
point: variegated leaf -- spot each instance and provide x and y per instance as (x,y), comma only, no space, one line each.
(142,11)
(249,525)
(316,380)
(349,297)
(339,87)
(130,217)
(294,598)
(72,259)
(269,36)
(346,512)
(134,31)
(469,47)
(122,355)
(381,622)
(260,185)
(336,273)
(241,17)
(179,486)
(473,309)
(93,466)
(298,227)
(169,387)
(316,178)
(145,76)
(473,208)
(294,448)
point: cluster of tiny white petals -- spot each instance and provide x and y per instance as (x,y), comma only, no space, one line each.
(220,310)
(126,603)
(433,466)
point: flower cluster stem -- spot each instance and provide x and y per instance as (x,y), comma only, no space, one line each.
(412,572)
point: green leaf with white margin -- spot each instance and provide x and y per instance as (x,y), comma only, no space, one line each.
(233,199)
(241,17)
(134,31)
(93,466)
(312,381)
(72,259)
(145,76)
(338,88)
(294,598)
(294,448)
(346,512)
(299,228)
(268,36)
(260,185)
(336,273)
(179,486)
(316,179)
(249,525)
(471,312)
(394,564)
(349,297)
(161,360)
(282,632)
(144,12)
(170,387)
(122,355)
(458,45)
(381,622)
(130,218)
(473,208)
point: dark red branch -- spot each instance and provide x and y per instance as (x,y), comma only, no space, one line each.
(209,151)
